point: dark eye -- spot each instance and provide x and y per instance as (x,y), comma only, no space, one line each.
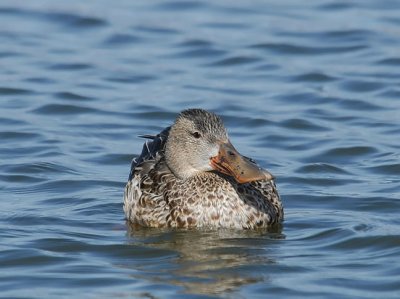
(196,135)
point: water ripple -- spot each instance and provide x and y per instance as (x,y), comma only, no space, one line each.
(39,168)
(290,49)
(361,86)
(50,109)
(313,77)
(342,154)
(14,91)
(121,40)
(388,169)
(180,5)
(232,61)
(66,19)
(69,66)
(358,104)
(66,95)
(389,61)
(302,124)
(204,52)
(128,78)
(321,168)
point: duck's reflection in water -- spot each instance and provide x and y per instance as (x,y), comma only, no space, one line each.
(208,262)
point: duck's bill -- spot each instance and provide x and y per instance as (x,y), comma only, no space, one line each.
(243,169)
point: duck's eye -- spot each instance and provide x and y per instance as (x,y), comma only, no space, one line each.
(196,135)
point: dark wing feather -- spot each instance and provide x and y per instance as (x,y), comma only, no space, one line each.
(150,149)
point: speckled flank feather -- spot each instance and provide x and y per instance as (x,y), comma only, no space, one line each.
(155,197)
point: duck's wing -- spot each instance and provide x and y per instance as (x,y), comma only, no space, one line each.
(151,148)
(144,202)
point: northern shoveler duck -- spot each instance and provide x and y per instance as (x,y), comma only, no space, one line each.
(191,176)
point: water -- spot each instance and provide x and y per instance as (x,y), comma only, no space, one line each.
(310,89)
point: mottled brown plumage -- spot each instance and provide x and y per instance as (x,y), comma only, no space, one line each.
(190,176)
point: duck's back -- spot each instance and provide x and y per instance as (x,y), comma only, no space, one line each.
(154,146)
(144,202)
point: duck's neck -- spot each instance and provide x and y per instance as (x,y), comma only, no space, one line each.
(181,173)
(176,163)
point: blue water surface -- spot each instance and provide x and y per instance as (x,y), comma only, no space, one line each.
(310,89)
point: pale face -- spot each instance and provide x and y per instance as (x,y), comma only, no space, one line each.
(198,142)
(189,148)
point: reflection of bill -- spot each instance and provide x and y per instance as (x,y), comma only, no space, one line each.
(205,262)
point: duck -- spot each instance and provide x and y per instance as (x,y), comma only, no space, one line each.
(191,176)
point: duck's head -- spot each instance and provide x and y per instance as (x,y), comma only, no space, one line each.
(198,142)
